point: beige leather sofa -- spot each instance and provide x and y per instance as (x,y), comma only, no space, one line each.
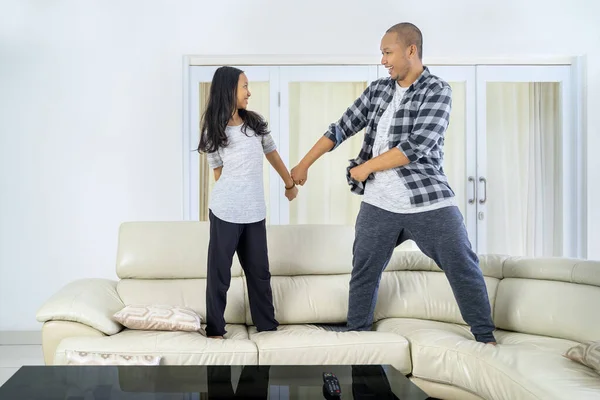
(541,307)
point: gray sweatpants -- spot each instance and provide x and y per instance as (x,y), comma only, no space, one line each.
(442,236)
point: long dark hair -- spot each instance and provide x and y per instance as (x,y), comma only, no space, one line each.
(222,103)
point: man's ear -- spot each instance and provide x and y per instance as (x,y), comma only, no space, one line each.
(413,50)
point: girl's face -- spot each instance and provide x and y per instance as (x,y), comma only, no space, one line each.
(243,94)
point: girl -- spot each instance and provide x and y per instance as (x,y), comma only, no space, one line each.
(235,140)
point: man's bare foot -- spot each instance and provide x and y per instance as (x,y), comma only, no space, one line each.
(492,343)
(215,337)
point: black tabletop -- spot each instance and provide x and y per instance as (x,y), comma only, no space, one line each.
(206,382)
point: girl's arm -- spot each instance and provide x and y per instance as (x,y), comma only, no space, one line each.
(216,163)
(277,163)
(217,171)
(291,191)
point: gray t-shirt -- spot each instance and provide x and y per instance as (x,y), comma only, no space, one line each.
(238,196)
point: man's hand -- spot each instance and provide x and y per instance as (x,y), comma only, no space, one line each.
(299,174)
(360,173)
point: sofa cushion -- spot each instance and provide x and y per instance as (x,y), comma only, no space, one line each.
(310,344)
(408,327)
(421,294)
(548,308)
(526,370)
(176,348)
(308,299)
(444,391)
(91,302)
(549,296)
(554,345)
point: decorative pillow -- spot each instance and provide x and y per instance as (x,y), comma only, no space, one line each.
(159,318)
(587,354)
(88,358)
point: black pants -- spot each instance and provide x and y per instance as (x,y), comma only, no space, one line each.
(253,383)
(250,243)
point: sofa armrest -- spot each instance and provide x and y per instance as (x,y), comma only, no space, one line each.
(92,302)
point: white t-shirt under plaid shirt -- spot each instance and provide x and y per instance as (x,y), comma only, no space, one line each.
(238,196)
(387,190)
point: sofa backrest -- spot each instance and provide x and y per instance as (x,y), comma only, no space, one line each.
(310,271)
(311,266)
(555,297)
(413,286)
(165,263)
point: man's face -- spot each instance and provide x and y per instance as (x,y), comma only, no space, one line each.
(395,56)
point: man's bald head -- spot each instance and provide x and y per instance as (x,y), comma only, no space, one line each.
(408,34)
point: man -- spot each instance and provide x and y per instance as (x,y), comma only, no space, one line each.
(406,193)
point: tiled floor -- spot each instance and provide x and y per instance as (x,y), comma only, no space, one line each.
(14,357)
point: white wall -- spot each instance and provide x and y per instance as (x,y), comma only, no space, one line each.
(91,106)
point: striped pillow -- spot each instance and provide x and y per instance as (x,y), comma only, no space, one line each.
(587,354)
(159,318)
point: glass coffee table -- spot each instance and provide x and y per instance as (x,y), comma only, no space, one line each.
(206,382)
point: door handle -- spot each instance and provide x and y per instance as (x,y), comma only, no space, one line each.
(482,179)
(472,199)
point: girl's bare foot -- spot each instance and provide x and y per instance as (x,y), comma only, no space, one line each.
(215,337)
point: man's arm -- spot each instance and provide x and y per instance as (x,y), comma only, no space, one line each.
(323,145)
(351,122)
(392,158)
(300,172)
(430,125)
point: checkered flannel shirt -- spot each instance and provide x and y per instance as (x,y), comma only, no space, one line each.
(417,129)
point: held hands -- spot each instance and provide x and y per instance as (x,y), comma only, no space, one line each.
(359,173)
(299,174)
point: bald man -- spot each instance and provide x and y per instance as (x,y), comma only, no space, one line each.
(406,194)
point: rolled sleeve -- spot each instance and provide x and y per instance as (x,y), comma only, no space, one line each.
(214,160)
(352,121)
(268,144)
(430,124)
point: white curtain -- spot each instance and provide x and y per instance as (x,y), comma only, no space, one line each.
(326,196)
(455,160)
(523,166)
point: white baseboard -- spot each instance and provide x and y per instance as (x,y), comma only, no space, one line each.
(13,338)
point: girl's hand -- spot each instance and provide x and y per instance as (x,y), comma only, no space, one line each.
(291,193)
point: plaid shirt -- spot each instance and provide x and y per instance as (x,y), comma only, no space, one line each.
(417,129)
